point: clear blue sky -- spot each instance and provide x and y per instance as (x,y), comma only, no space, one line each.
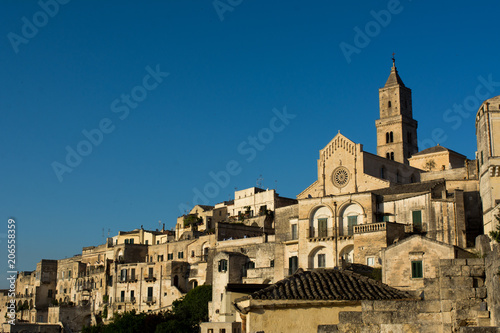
(228,68)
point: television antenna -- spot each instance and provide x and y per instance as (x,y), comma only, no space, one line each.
(259,181)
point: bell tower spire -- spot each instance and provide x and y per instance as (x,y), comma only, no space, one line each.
(396,128)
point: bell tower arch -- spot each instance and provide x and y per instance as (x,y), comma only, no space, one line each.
(396,128)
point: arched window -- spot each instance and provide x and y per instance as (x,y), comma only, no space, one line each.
(382,172)
(321,223)
(391,137)
(347,253)
(388,156)
(319,257)
(387,137)
(392,156)
(350,216)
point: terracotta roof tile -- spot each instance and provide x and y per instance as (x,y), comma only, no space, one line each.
(328,284)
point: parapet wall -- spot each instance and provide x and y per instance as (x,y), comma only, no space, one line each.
(455,300)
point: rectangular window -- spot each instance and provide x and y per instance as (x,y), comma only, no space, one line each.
(295,232)
(293,264)
(417,220)
(180,255)
(416,269)
(370,261)
(322,227)
(321,260)
(132,296)
(132,274)
(170,256)
(150,272)
(126,241)
(146,242)
(150,294)
(123,275)
(222,265)
(131,241)
(351,222)
(122,296)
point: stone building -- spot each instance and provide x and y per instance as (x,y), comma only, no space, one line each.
(407,263)
(488,156)
(362,203)
(307,299)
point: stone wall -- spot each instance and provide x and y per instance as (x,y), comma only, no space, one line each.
(453,300)
(492,270)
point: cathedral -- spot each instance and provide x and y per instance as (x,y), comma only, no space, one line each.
(397,192)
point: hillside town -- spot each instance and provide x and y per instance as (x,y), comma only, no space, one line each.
(391,241)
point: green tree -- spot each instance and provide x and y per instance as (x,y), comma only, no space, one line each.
(185,317)
(188,312)
(496,234)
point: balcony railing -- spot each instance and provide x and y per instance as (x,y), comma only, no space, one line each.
(290,237)
(150,278)
(123,279)
(125,300)
(321,232)
(370,227)
(150,299)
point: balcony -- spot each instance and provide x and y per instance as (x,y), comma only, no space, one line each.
(370,227)
(125,300)
(290,237)
(150,278)
(321,233)
(123,279)
(150,300)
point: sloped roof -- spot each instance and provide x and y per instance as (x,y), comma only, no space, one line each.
(410,188)
(436,149)
(205,207)
(394,79)
(327,284)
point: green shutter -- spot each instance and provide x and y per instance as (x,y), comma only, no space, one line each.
(322,227)
(417,220)
(351,222)
(416,269)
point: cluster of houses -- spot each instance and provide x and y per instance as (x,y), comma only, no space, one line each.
(393,241)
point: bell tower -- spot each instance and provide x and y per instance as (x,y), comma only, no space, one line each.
(396,128)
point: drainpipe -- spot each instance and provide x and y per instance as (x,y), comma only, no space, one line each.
(335,222)
(159,298)
(140,289)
